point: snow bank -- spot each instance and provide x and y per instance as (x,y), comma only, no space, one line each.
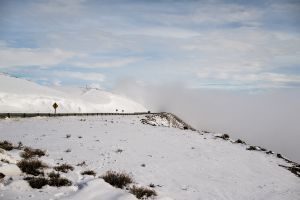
(19,95)
(98,189)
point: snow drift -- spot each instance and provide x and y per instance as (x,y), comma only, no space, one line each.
(19,95)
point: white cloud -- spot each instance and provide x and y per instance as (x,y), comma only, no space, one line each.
(245,55)
(56,83)
(162,32)
(98,77)
(69,7)
(16,57)
(95,85)
(233,42)
(105,63)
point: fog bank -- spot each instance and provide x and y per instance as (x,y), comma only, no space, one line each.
(270,118)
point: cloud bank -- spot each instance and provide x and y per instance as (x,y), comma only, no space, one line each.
(266,118)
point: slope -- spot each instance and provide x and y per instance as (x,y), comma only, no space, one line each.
(179,164)
(19,95)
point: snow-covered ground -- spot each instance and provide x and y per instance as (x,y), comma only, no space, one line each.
(19,95)
(182,164)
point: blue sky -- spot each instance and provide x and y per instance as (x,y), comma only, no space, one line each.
(201,44)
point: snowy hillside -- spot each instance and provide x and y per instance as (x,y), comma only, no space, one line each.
(176,163)
(19,95)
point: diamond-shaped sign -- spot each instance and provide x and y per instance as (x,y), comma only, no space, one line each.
(55,105)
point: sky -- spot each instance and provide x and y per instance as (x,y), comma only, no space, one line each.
(223,65)
(215,44)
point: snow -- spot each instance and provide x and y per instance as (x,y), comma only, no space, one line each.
(182,164)
(94,189)
(19,95)
(10,169)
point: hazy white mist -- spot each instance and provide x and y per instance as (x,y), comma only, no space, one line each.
(267,118)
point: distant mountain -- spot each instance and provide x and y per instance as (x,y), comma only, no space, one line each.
(19,95)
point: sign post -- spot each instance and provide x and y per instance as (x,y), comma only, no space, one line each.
(55,106)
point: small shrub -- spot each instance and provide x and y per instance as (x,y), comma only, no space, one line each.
(269,152)
(31,166)
(119,180)
(36,182)
(39,182)
(224,136)
(5,161)
(54,180)
(59,182)
(142,192)
(53,175)
(30,153)
(151,185)
(8,146)
(68,150)
(82,164)
(279,155)
(20,146)
(88,172)
(295,169)
(252,148)
(262,149)
(239,141)
(64,168)
(119,151)
(2,175)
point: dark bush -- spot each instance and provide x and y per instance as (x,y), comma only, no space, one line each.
(68,150)
(53,175)
(88,172)
(142,192)
(36,182)
(8,146)
(20,146)
(239,141)
(55,180)
(269,152)
(30,153)
(252,148)
(82,164)
(64,168)
(31,166)
(59,182)
(2,175)
(295,169)
(279,155)
(119,180)
(263,149)
(224,136)
(119,151)
(4,160)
